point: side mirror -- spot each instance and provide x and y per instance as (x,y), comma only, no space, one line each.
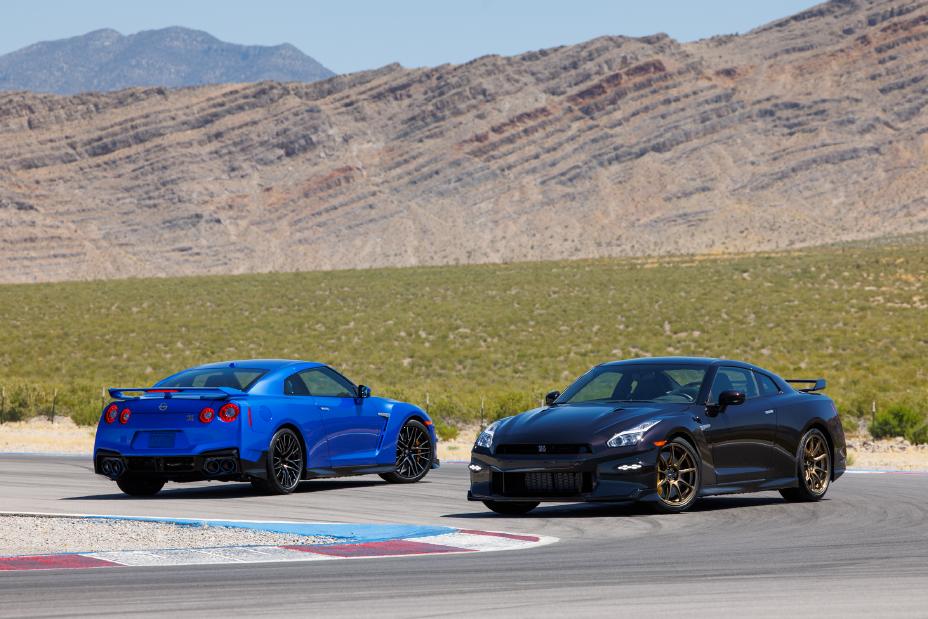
(551,397)
(364,391)
(731,398)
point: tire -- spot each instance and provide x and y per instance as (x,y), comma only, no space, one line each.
(414,454)
(285,464)
(507,508)
(813,469)
(134,486)
(679,477)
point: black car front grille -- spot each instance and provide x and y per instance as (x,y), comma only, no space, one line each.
(543,484)
(534,449)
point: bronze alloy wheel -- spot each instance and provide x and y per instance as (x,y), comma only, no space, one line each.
(816,463)
(677,475)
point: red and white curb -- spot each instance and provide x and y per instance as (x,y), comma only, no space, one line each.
(461,541)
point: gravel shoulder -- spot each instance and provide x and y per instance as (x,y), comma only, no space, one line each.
(28,535)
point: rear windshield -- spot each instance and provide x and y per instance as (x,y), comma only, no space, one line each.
(236,378)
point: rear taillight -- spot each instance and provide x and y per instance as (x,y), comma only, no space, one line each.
(112,411)
(124,415)
(207,414)
(229,412)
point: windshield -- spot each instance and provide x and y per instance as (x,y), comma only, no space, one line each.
(236,378)
(660,382)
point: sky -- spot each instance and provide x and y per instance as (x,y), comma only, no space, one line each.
(352,35)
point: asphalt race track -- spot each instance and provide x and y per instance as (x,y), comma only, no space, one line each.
(862,551)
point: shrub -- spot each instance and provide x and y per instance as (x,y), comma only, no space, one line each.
(446,431)
(900,420)
(511,403)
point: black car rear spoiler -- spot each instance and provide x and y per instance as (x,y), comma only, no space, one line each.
(817,384)
(201,393)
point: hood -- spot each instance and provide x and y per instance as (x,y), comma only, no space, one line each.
(580,423)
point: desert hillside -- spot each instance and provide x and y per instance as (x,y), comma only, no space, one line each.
(809,130)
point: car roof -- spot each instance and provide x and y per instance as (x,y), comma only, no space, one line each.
(708,361)
(261,364)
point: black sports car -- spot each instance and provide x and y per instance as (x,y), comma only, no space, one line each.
(666,431)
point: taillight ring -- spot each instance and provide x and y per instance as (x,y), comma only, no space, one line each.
(124,416)
(207,415)
(229,412)
(111,413)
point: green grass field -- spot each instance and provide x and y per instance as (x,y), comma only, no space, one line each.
(504,334)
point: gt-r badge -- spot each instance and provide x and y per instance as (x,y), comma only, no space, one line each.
(163,406)
(190,417)
(542,449)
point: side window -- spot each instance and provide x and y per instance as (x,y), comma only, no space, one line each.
(766,384)
(324,382)
(294,385)
(733,379)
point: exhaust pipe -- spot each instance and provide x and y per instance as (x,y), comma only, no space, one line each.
(228,465)
(112,468)
(211,466)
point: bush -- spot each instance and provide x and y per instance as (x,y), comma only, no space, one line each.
(446,431)
(511,403)
(900,420)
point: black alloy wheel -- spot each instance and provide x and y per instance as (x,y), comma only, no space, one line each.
(284,464)
(414,454)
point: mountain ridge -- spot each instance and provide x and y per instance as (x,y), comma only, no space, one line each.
(106,60)
(806,131)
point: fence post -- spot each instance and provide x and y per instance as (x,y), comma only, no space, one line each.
(482,410)
(54,403)
(426,402)
(2,402)
(872,412)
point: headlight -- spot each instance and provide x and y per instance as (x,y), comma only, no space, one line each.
(486,437)
(632,436)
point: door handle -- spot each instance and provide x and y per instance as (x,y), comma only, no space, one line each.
(769,411)
(384,415)
(324,408)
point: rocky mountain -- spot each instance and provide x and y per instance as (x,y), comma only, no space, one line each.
(171,57)
(809,130)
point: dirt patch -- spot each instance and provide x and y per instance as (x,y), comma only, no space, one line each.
(43,436)
(887,454)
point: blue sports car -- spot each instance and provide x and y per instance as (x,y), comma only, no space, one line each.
(270,422)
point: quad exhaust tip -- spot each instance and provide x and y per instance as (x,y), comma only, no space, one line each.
(112,467)
(215,466)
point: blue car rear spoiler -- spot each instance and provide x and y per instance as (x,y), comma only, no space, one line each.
(817,384)
(195,393)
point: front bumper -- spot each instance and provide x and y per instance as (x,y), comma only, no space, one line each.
(588,477)
(222,465)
